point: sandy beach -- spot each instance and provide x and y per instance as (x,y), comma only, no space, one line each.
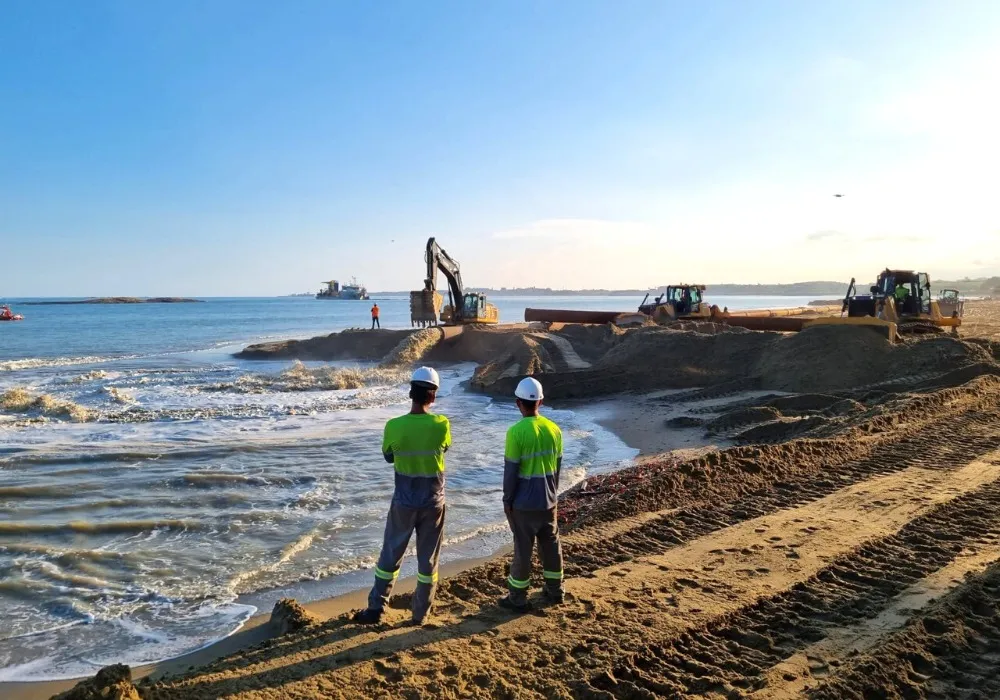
(813,515)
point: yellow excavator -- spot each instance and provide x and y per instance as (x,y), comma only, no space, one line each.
(462,308)
(678,302)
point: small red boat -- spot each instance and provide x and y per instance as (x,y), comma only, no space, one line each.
(7,315)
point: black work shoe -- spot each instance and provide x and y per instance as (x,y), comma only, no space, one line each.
(507,604)
(367,617)
(555,596)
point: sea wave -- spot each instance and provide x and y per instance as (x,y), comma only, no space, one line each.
(39,362)
(301,378)
(210,479)
(89,528)
(236,583)
(20,400)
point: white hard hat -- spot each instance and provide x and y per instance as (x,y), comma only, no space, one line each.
(426,376)
(529,389)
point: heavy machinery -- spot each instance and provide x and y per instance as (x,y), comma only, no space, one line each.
(950,303)
(899,303)
(463,307)
(679,301)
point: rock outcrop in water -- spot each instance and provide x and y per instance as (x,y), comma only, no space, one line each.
(110,683)
(117,300)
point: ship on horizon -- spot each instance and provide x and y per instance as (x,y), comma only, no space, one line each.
(351,292)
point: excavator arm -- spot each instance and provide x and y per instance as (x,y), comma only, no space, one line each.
(438,259)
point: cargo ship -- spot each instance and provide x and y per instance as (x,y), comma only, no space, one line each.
(334,290)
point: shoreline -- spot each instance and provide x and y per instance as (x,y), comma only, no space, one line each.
(254,631)
(627,417)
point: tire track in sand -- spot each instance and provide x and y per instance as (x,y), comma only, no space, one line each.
(930,450)
(949,650)
(732,656)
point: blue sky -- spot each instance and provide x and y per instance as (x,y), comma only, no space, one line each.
(238,147)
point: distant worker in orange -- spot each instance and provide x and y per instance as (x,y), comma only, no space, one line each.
(375,322)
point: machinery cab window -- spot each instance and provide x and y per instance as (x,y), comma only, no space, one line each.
(924,292)
(472,307)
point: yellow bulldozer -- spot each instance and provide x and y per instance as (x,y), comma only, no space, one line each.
(463,307)
(900,302)
(678,302)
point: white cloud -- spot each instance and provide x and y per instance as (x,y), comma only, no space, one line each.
(576,229)
(826,234)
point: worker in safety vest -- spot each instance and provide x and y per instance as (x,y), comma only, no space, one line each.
(532,461)
(415,445)
(375,317)
(901,293)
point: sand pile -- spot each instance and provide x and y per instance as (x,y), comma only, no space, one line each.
(688,354)
(818,360)
(520,356)
(720,476)
(20,400)
(832,358)
(288,615)
(345,345)
(110,683)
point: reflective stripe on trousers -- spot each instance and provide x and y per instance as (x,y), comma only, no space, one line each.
(399,527)
(528,526)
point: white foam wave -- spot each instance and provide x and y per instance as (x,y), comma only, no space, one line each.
(37,362)
(300,545)
(144,646)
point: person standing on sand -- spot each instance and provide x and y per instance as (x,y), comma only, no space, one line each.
(415,445)
(375,317)
(532,462)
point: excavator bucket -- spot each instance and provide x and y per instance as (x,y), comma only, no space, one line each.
(425,305)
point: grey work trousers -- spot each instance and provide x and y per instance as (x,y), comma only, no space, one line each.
(528,526)
(399,526)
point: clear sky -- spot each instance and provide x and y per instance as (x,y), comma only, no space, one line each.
(237,147)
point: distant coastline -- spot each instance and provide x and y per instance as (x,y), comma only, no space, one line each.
(793,289)
(116,300)
(972,287)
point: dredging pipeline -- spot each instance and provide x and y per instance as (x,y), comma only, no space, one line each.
(572,316)
(789,320)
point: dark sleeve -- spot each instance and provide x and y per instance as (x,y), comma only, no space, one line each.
(511,468)
(511,472)
(558,469)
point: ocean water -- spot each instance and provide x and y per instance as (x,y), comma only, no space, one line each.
(155,492)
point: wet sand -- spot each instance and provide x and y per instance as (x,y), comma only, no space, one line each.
(256,631)
(840,539)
